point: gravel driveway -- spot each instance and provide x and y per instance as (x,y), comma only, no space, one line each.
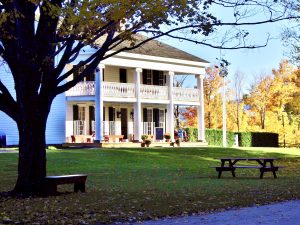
(284,213)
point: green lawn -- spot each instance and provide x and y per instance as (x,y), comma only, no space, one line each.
(148,183)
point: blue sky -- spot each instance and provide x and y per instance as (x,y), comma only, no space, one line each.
(251,62)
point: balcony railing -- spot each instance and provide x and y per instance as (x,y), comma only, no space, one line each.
(82,89)
(119,90)
(154,92)
(127,90)
(185,94)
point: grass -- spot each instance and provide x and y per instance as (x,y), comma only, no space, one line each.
(138,184)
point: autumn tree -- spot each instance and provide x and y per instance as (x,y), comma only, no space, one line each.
(38,38)
(212,97)
(238,82)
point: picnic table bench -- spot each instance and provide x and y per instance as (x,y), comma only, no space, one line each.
(51,182)
(229,164)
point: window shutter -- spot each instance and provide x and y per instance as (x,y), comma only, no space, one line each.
(155,77)
(123,75)
(111,114)
(156,117)
(92,117)
(144,114)
(75,112)
(144,74)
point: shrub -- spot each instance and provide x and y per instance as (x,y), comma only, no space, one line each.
(212,136)
(258,139)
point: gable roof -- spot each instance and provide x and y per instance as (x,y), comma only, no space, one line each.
(159,49)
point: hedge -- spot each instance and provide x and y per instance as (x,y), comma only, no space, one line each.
(212,136)
(246,139)
(258,139)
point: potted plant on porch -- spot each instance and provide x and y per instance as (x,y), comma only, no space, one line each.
(144,137)
(148,142)
(167,136)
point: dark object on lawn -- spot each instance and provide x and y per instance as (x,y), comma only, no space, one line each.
(2,140)
(51,182)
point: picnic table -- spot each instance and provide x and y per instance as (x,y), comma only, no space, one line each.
(264,165)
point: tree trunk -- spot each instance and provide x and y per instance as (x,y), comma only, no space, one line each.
(32,152)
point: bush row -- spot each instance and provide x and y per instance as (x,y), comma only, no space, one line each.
(246,139)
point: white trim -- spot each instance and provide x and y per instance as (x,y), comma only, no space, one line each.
(130,63)
(159,59)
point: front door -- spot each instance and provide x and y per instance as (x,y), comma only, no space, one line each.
(124,122)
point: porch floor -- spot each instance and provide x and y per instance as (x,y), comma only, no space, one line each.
(131,145)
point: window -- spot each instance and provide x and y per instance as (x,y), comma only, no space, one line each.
(81,113)
(154,77)
(161,78)
(161,117)
(149,77)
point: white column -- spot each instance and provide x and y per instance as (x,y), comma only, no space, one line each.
(201,122)
(137,106)
(99,104)
(170,110)
(224,114)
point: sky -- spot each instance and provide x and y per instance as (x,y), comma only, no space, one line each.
(251,62)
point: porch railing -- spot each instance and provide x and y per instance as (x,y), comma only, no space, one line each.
(122,90)
(185,94)
(154,92)
(79,127)
(82,89)
(148,127)
(127,90)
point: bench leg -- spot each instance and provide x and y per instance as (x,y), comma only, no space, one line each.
(79,187)
(233,173)
(274,174)
(261,174)
(220,173)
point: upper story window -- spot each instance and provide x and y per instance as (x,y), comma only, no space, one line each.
(89,77)
(154,77)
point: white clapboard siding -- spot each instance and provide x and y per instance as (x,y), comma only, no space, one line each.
(55,133)
(7,125)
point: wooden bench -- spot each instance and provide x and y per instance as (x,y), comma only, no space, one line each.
(51,182)
(108,138)
(231,166)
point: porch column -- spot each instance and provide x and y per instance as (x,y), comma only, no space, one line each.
(201,122)
(170,112)
(137,106)
(99,104)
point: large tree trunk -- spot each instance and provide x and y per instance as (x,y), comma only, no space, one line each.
(32,152)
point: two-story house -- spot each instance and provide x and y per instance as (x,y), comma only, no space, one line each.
(130,94)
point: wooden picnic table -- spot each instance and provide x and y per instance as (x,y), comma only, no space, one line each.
(264,165)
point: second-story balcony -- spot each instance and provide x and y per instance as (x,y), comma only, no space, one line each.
(128,90)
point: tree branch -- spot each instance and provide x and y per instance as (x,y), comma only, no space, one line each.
(7,103)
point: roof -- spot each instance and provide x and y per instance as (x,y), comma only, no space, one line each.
(160,49)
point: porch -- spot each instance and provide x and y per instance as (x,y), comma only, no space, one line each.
(131,145)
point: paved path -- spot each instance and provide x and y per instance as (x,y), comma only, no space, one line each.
(284,213)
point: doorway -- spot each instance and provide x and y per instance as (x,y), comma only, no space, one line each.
(124,122)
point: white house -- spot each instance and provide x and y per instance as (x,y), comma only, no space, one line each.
(130,94)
